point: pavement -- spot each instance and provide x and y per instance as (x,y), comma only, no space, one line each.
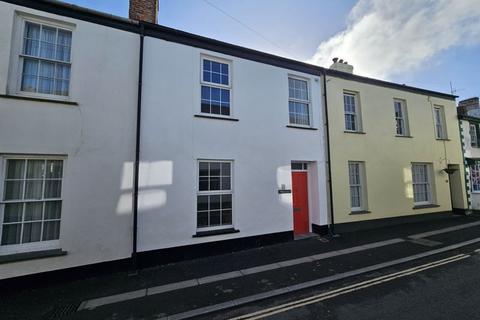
(216,286)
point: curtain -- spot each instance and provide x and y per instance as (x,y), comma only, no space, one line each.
(47,43)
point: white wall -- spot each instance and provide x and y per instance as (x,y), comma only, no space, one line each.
(260,144)
(97,136)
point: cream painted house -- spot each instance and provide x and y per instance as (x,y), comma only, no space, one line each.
(389,147)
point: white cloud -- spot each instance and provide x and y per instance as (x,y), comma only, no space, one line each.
(384,38)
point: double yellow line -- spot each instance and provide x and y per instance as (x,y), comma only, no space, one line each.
(344,290)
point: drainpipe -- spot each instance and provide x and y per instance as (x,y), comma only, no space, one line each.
(331,226)
(137,152)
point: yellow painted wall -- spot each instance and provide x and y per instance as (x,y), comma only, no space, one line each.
(388,158)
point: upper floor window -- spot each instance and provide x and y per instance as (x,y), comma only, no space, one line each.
(439,118)
(32,200)
(401,120)
(422,183)
(475,177)
(473,135)
(298,102)
(216,86)
(352,112)
(45,59)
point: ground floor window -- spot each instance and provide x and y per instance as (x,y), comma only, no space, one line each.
(32,200)
(356,171)
(214,197)
(422,186)
(475,177)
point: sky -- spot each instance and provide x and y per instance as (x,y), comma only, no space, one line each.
(431,44)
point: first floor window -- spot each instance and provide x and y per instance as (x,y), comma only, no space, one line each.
(355,175)
(216,86)
(350,107)
(439,117)
(400,110)
(421,178)
(32,200)
(214,197)
(473,135)
(475,177)
(298,102)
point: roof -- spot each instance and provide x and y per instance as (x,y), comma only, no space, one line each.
(190,39)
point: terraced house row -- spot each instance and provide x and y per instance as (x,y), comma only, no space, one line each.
(123,141)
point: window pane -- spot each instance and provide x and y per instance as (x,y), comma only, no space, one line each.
(33,211)
(46,76)
(31,232)
(215,67)
(53,210)
(215,202)
(226,168)
(51,230)
(13,212)
(202,203)
(13,190)
(15,169)
(64,42)
(226,217)
(214,183)
(54,169)
(205,93)
(215,218)
(53,189)
(226,183)
(214,168)
(226,201)
(203,169)
(202,219)
(203,184)
(29,76)
(35,169)
(207,65)
(32,35)
(33,189)
(11,234)
(47,44)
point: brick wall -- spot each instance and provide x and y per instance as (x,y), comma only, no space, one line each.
(143,10)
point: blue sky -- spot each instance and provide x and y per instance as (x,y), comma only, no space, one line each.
(416,42)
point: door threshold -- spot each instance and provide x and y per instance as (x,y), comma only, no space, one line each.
(304,236)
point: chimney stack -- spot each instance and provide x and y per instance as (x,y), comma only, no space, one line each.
(341,65)
(143,10)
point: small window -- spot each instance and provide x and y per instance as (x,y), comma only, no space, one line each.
(422,187)
(32,200)
(45,59)
(401,120)
(356,174)
(352,112)
(439,117)
(216,87)
(475,177)
(299,166)
(214,197)
(298,102)
(473,135)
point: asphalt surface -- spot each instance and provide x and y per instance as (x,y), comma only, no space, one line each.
(60,300)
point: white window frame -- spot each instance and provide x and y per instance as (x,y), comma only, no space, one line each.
(31,246)
(361,185)
(429,183)
(404,118)
(17,56)
(475,170)
(473,137)
(214,192)
(216,85)
(439,111)
(308,102)
(357,113)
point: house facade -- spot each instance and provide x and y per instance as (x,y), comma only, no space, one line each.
(125,141)
(469,118)
(390,146)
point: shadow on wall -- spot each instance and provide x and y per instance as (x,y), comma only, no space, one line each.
(153,177)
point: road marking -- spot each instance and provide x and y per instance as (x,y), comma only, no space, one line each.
(445,230)
(98,302)
(425,242)
(348,289)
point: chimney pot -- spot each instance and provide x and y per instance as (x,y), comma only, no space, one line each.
(340,61)
(335,60)
(143,10)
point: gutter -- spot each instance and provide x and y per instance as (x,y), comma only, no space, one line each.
(136,167)
(331,225)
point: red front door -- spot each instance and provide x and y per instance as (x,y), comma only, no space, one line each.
(300,202)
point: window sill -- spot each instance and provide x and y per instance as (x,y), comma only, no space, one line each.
(359,212)
(16,257)
(354,132)
(443,139)
(214,232)
(401,136)
(38,99)
(301,127)
(425,206)
(214,117)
